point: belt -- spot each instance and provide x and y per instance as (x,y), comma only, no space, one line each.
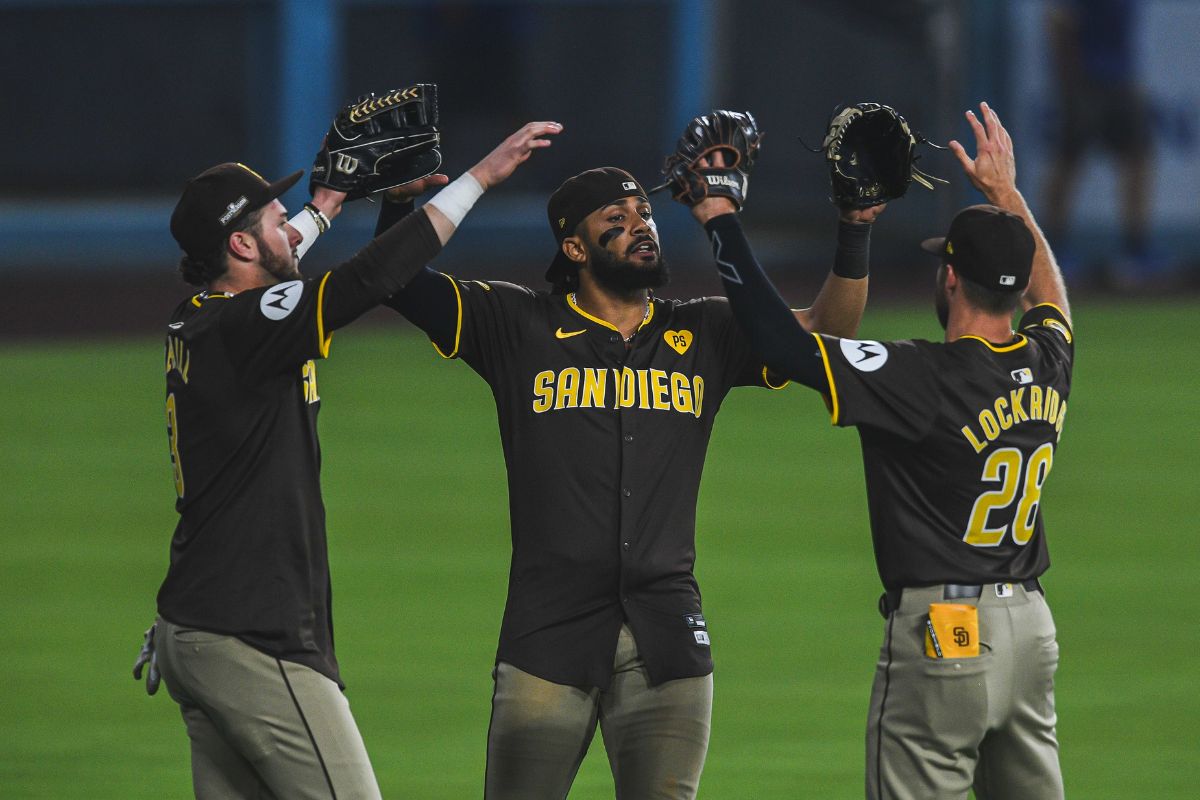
(889,601)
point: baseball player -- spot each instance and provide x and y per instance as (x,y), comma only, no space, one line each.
(606,396)
(244,636)
(958,439)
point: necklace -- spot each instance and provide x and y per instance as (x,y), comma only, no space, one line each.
(629,338)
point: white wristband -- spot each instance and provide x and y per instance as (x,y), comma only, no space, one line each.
(306,226)
(456,200)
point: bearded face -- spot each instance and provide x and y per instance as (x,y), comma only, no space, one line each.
(641,266)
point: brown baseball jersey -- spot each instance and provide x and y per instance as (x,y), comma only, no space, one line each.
(604,446)
(958,439)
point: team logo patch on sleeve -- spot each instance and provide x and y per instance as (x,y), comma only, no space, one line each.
(864,355)
(279,301)
(1058,326)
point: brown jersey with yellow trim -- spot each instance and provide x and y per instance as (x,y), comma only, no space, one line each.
(604,447)
(958,439)
(248,557)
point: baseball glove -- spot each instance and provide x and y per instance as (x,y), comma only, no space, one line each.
(734,133)
(378,142)
(871,155)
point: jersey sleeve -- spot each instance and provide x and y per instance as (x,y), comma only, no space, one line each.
(742,367)
(1048,326)
(276,328)
(889,386)
(489,320)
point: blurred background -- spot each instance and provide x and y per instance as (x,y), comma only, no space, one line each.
(113,105)
(110,106)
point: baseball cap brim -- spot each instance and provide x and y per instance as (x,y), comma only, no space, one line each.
(280,186)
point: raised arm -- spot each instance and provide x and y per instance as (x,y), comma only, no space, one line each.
(776,334)
(391,260)
(993,171)
(838,308)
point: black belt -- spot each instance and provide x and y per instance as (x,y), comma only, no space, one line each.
(889,601)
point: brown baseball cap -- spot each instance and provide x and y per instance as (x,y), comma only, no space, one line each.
(989,246)
(576,199)
(214,201)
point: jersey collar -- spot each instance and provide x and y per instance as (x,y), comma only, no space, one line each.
(1020,342)
(575,307)
(200,298)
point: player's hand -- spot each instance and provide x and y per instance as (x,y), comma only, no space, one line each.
(513,152)
(407,191)
(712,206)
(867,215)
(328,200)
(993,171)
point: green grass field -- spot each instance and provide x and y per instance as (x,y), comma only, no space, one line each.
(414,485)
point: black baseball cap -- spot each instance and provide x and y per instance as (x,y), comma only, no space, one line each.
(576,199)
(216,199)
(988,245)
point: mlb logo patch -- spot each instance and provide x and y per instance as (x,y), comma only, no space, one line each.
(701,637)
(1022,376)
(1008,280)
(1004,590)
(628,186)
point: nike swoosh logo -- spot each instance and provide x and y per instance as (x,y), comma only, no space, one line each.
(560,334)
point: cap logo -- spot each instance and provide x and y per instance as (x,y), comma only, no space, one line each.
(562,222)
(629,185)
(1008,280)
(949,248)
(232,209)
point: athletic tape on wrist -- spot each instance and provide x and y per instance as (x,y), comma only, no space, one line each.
(456,199)
(306,226)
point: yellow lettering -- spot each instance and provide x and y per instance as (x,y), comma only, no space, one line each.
(681,393)
(658,390)
(594,382)
(1015,402)
(978,445)
(698,394)
(627,388)
(643,389)
(1002,415)
(990,429)
(179,358)
(543,393)
(1062,414)
(1035,402)
(1052,402)
(308,378)
(568,388)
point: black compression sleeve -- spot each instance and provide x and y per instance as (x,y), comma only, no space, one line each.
(775,334)
(390,213)
(853,253)
(380,269)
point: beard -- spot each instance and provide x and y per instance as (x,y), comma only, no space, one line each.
(941,304)
(623,275)
(285,268)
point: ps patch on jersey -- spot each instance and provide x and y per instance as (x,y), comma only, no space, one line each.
(279,301)
(864,355)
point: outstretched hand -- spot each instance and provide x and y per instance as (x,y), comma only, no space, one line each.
(407,191)
(867,215)
(993,171)
(513,152)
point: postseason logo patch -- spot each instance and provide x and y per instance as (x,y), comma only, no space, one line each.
(279,301)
